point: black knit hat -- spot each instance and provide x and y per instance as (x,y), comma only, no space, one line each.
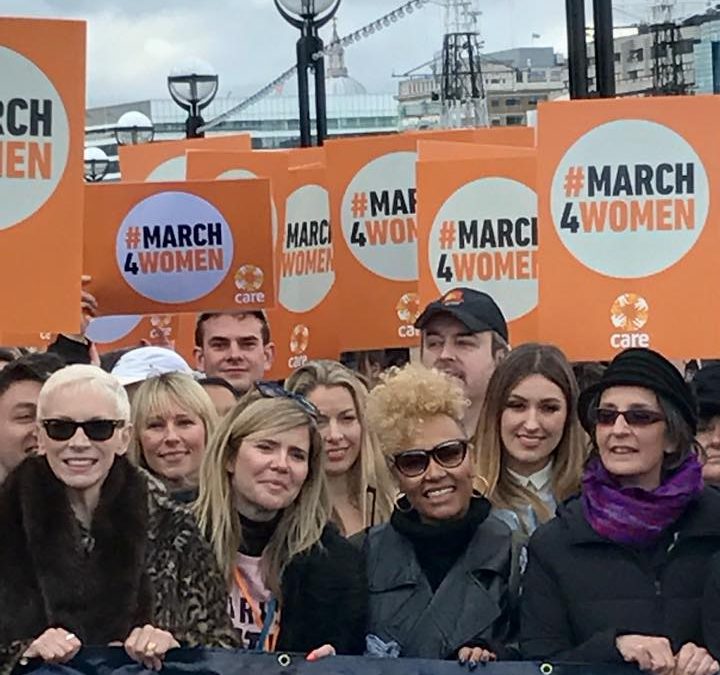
(707,389)
(639,367)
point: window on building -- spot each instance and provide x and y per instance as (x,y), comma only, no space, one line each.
(637,54)
(494,103)
(515,120)
(716,67)
(511,102)
(617,57)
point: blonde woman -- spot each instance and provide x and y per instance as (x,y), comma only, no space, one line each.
(529,439)
(361,490)
(439,571)
(172,417)
(295,584)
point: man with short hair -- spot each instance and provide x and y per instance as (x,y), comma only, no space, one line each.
(234,346)
(20,384)
(464,334)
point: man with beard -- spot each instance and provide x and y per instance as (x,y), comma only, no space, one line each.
(464,334)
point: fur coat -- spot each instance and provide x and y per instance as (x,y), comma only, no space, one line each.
(143,561)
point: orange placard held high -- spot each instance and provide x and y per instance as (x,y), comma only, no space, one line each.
(478,229)
(42,115)
(162,248)
(629,226)
(165,160)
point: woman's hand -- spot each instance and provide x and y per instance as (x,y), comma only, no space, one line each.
(474,655)
(55,645)
(652,654)
(148,646)
(694,660)
(321,653)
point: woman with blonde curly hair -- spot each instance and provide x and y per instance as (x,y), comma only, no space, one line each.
(173,418)
(439,570)
(529,439)
(294,583)
(361,489)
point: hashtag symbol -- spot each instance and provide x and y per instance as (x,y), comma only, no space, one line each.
(574,181)
(359,204)
(447,234)
(132,237)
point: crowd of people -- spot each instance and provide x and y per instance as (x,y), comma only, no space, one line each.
(480,503)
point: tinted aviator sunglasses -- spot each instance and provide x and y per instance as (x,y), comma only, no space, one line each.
(606,417)
(413,463)
(274,390)
(95,430)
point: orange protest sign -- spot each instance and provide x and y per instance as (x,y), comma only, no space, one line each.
(162,330)
(305,323)
(42,114)
(165,160)
(429,151)
(373,199)
(157,248)
(628,226)
(478,229)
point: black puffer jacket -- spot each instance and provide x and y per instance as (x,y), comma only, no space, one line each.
(581,591)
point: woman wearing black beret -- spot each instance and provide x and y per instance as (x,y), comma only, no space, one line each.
(619,574)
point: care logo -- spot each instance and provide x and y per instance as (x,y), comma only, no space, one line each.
(249,280)
(160,329)
(34,138)
(378,216)
(485,236)
(455,297)
(630,198)
(408,310)
(299,343)
(629,314)
(307,268)
(174,247)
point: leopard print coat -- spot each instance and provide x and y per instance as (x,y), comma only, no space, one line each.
(143,561)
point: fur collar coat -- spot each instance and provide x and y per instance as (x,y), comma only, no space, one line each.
(142,561)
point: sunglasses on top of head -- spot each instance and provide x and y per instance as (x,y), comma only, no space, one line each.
(606,417)
(413,463)
(95,430)
(274,390)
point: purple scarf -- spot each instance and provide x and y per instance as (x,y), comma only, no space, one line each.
(631,515)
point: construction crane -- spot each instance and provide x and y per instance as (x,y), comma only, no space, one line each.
(462,91)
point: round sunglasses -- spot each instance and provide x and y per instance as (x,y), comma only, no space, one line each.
(413,463)
(606,417)
(95,430)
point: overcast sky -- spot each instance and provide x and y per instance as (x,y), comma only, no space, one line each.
(132,44)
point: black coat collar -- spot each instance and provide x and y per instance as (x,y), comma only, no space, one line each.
(48,579)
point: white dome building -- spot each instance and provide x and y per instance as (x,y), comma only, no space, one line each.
(337,80)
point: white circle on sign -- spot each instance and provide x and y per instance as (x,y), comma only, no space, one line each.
(170,170)
(244,174)
(306,269)
(487,231)
(378,216)
(35,137)
(640,196)
(174,247)
(107,329)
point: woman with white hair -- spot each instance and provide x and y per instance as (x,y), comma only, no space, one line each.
(295,584)
(93,551)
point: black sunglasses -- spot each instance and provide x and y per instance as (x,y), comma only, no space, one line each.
(413,463)
(95,430)
(606,417)
(274,390)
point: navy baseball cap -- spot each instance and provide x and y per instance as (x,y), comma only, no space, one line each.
(475,309)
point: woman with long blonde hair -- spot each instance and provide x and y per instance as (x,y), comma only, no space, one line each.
(173,418)
(294,583)
(529,440)
(361,489)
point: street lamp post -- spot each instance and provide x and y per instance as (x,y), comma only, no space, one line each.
(311,16)
(96,164)
(134,128)
(193,87)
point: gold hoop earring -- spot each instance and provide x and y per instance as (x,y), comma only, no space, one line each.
(477,494)
(402,504)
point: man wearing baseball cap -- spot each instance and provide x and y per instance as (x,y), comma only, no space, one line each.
(464,334)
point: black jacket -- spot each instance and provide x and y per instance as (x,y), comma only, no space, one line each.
(325,598)
(580,591)
(711,609)
(470,607)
